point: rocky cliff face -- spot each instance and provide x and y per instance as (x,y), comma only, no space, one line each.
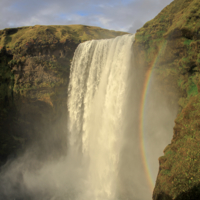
(34,74)
(171,42)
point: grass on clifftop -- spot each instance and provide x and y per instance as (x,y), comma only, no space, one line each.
(20,37)
(180,14)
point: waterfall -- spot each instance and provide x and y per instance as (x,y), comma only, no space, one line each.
(102,159)
(97,97)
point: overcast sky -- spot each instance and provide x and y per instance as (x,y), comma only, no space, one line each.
(123,15)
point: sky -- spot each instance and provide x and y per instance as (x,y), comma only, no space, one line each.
(119,15)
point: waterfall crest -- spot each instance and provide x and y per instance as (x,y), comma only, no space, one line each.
(97,92)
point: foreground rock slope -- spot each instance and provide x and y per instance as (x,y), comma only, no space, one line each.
(34,74)
(171,43)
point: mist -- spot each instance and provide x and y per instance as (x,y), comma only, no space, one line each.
(101,158)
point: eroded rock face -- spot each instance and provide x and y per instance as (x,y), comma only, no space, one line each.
(171,42)
(34,74)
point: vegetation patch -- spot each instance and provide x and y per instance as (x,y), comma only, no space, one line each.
(177,26)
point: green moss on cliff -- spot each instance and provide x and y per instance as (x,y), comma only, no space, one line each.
(170,42)
(48,48)
(180,166)
(175,32)
(6,79)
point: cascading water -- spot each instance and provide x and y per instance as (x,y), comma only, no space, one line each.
(103,159)
(97,92)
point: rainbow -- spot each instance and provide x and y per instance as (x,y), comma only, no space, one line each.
(145,89)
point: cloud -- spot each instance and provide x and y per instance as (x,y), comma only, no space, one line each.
(126,15)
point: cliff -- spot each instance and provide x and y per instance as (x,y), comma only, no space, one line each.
(171,44)
(34,74)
